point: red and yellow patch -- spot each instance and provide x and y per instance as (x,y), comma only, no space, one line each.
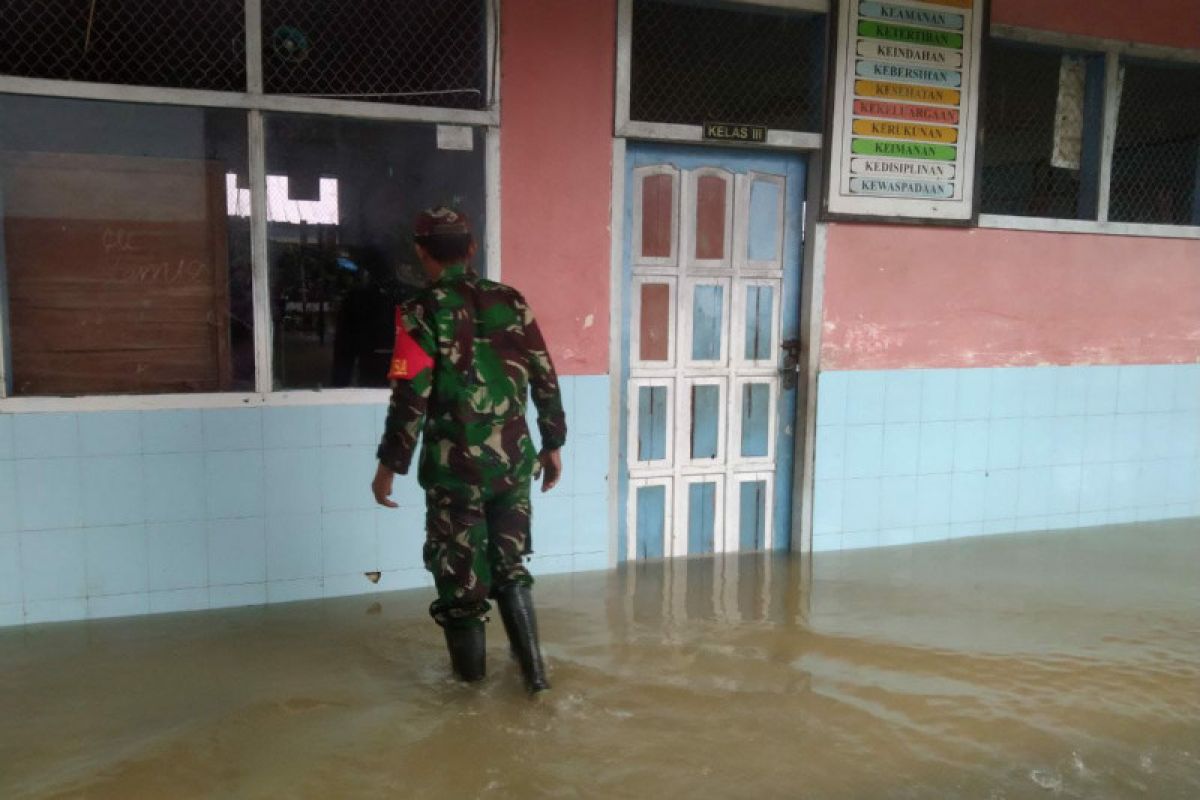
(408,357)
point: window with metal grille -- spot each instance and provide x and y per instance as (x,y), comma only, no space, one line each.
(693,63)
(1156,157)
(1043,123)
(416,52)
(169,43)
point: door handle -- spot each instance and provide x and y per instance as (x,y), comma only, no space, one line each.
(789,372)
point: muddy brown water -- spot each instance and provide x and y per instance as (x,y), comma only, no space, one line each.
(1049,665)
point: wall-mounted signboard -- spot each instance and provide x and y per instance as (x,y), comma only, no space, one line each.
(904,110)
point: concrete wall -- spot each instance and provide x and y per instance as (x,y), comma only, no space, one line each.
(558,60)
(985,381)
(1172,23)
(900,298)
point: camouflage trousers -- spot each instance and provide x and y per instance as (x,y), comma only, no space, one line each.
(475,546)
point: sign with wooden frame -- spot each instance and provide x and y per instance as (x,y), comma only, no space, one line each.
(903,111)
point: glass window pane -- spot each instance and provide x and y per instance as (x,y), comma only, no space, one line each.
(706,420)
(341,197)
(707,302)
(702,511)
(654,343)
(764,244)
(652,423)
(651,520)
(759,306)
(752,515)
(1043,111)
(176,43)
(756,409)
(416,52)
(710,217)
(697,62)
(1156,157)
(126,250)
(658,211)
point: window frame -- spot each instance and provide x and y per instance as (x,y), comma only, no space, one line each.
(255,102)
(625,128)
(1114,52)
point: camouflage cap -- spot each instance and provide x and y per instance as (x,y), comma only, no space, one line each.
(441,221)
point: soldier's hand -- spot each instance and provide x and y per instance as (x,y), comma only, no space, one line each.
(381,487)
(551,462)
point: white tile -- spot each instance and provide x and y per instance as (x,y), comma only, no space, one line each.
(53,564)
(57,610)
(120,605)
(349,542)
(293,547)
(10,568)
(11,614)
(349,584)
(117,560)
(8,497)
(174,600)
(45,435)
(48,494)
(295,590)
(178,556)
(237,552)
(251,594)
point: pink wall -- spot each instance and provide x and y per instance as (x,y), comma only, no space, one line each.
(936,297)
(556,169)
(1164,22)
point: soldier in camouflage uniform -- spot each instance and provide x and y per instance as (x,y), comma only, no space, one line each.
(467,353)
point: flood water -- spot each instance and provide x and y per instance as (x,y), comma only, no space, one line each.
(1049,665)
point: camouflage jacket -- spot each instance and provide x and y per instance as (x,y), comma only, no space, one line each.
(487,355)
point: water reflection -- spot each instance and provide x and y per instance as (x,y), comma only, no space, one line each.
(726,588)
(1010,667)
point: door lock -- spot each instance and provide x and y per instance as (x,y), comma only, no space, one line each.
(790,371)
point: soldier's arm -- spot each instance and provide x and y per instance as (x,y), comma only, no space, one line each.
(543,386)
(412,383)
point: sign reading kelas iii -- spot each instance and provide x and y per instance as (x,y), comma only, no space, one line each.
(724,132)
(904,110)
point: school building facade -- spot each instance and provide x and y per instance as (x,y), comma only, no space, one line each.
(205,230)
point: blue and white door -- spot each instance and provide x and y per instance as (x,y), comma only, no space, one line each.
(712,255)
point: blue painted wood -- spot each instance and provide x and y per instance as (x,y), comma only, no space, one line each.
(756,407)
(752,515)
(706,415)
(707,301)
(652,423)
(760,301)
(651,520)
(702,512)
(763,244)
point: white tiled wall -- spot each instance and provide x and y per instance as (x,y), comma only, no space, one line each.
(119,513)
(918,455)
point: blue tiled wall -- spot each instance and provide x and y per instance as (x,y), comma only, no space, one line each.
(120,513)
(919,455)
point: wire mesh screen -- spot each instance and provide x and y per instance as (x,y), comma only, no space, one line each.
(169,43)
(692,64)
(414,52)
(1156,158)
(1043,121)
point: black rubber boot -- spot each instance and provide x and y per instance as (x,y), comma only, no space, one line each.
(520,622)
(468,652)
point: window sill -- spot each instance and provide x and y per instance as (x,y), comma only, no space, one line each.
(1089,226)
(158,402)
